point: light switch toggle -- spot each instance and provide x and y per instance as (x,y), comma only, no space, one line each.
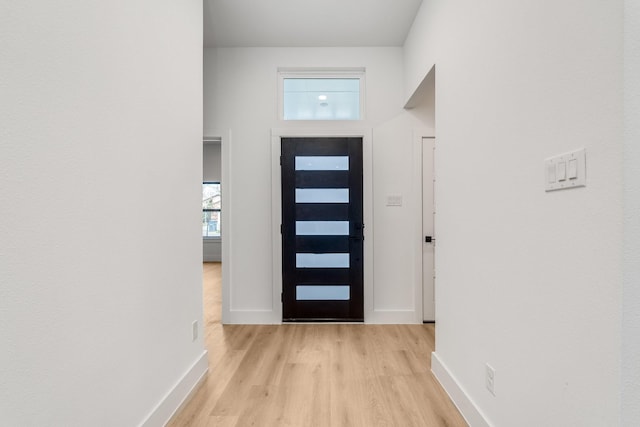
(573,169)
(562,171)
(551,174)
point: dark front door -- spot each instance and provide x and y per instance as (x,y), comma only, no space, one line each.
(322,229)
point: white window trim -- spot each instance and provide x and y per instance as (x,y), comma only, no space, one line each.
(320,73)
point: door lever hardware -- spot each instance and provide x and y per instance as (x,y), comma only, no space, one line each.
(429,239)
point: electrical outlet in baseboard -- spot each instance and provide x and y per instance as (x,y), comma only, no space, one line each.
(490,379)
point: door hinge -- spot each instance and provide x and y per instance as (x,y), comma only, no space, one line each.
(280,228)
(281,296)
(280,160)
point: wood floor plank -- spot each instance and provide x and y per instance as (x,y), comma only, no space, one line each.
(221,422)
(308,375)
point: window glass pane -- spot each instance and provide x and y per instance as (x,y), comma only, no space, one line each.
(322,195)
(321,99)
(322,163)
(322,228)
(322,260)
(211,195)
(313,292)
(211,224)
(211,200)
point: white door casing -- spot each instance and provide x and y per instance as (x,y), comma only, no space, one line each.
(428,220)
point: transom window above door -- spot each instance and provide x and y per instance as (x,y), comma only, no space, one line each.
(321,95)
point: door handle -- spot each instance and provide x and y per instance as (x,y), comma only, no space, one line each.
(429,239)
(359,228)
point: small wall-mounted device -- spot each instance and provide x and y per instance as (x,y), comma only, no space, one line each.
(394,200)
(567,170)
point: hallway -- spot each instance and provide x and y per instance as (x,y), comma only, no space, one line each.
(315,374)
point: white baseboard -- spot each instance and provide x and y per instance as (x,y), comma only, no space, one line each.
(251,317)
(211,250)
(460,398)
(179,394)
(269,317)
(391,317)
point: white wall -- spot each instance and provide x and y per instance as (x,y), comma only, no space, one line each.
(527,281)
(100,160)
(212,171)
(631,291)
(211,162)
(421,46)
(241,95)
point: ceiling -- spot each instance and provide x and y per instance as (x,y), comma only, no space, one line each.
(307,23)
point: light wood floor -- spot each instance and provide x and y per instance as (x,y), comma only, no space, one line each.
(325,375)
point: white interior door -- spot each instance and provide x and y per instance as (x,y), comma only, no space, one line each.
(428,216)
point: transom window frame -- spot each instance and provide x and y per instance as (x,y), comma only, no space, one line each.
(218,210)
(321,73)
